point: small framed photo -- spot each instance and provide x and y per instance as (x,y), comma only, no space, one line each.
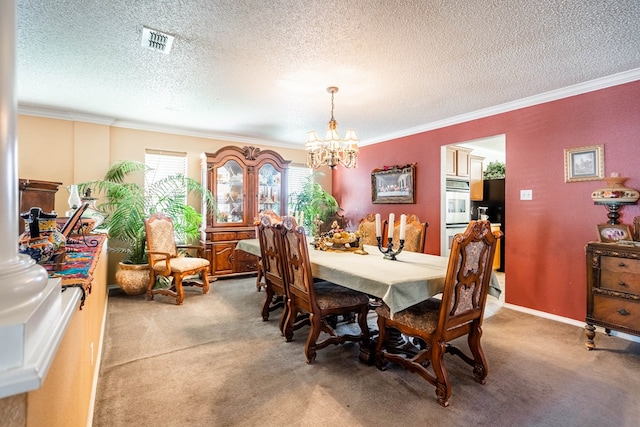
(612,233)
(584,163)
(394,184)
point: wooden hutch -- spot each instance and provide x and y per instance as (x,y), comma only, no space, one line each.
(244,181)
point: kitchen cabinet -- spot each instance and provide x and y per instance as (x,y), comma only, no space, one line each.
(457,162)
(244,181)
(476,192)
(496,257)
(613,289)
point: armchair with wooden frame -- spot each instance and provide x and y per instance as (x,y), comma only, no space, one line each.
(436,322)
(415,234)
(320,299)
(165,261)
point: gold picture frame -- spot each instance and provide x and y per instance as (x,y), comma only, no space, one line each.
(584,163)
(612,233)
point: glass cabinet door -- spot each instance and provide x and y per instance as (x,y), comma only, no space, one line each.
(269,189)
(229,193)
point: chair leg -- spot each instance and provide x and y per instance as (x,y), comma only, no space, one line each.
(312,338)
(380,361)
(267,302)
(179,290)
(259,277)
(290,320)
(480,369)
(283,317)
(443,387)
(204,275)
(152,282)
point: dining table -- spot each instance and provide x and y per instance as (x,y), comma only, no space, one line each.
(408,280)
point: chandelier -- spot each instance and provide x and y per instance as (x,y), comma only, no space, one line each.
(332,150)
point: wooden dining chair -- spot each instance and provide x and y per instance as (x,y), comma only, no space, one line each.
(165,261)
(320,299)
(273,270)
(438,321)
(275,219)
(415,234)
(367,226)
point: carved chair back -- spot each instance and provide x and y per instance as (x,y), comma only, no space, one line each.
(415,234)
(368,226)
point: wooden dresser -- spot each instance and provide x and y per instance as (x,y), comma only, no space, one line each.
(613,289)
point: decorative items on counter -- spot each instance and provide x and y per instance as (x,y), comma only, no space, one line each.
(42,241)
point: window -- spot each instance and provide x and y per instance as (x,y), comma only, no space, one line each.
(298,175)
(164,164)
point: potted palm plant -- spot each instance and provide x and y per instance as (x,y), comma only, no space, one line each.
(315,202)
(126,204)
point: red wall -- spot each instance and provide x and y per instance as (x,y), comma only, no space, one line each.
(545,263)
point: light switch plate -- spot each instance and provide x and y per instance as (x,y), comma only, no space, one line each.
(526,194)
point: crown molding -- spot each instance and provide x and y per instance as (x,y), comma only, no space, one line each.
(554,95)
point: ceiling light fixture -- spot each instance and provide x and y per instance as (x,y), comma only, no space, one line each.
(332,150)
(155,40)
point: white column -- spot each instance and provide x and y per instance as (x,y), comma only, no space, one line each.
(28,300)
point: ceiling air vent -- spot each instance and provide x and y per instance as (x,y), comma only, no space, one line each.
(155,40)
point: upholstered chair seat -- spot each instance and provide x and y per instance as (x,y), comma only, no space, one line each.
(330,296)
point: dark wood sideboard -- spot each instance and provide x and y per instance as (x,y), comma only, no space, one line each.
(35,193)
(613,289)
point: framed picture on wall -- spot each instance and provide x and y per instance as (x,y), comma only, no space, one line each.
(611,233)
(584,163)
(394,184)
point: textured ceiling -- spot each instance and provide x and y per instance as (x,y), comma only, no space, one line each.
(257,70)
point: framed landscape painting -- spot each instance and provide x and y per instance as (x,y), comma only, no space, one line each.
(584,163)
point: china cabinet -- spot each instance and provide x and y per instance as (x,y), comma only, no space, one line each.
(244,182)
(613,289)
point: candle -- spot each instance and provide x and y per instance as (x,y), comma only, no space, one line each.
(378,226)
(391,219)
(403,225)
(301,218)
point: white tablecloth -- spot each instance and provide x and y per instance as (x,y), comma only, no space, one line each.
(412,278)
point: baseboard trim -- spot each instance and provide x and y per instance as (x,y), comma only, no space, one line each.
(568,321)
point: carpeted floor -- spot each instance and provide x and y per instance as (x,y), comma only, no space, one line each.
(214,362)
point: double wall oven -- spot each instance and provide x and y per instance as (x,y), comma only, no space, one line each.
(458,208)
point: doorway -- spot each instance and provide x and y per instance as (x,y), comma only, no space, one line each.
(485,150)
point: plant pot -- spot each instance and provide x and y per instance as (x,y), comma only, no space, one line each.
(133,279)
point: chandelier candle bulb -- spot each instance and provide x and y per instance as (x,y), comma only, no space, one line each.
(403,225)
(378,226)
(391,220)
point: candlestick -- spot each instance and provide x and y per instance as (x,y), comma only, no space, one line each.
(378,226)
(403,225)
(388,252)
(391,220)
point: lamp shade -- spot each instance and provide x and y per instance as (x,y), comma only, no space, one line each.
(615,192)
